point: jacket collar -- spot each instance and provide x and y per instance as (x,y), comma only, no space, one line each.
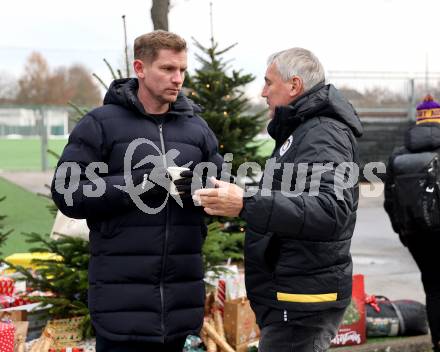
(124,92)
(321,100)
(287,118)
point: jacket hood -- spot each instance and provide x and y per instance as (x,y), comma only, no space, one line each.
(321,100)
(425,136)
(123,92)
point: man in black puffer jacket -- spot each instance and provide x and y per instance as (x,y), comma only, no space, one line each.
(146,289)
(409,217)
(297,249)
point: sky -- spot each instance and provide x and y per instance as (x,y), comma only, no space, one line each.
(346,35)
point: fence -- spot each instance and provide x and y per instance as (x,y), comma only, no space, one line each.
(42,122)
(31,122)
(386,103)
(386,89)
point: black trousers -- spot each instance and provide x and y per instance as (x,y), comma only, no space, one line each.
(104,345)
(305,332)
(425,251)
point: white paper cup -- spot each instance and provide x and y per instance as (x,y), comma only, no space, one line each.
(174,172)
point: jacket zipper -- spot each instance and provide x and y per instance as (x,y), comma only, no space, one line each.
(165,245)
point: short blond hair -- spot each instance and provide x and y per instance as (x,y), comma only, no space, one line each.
(147,46)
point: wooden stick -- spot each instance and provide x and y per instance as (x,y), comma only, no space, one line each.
(20,347)
(208,342)
(204,338)
(211,346)
(209,329)
(209,301)
(218,323)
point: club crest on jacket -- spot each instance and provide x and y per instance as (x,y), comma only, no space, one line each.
(286,145)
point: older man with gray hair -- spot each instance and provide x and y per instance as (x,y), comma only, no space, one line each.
(297,248)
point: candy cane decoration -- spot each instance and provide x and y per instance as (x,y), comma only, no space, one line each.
(221,295)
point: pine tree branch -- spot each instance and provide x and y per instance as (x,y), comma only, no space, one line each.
(110,68)
(100,80)
(221,52)
(81,111)
(54,154)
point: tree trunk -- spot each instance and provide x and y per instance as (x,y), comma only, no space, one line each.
(159,14)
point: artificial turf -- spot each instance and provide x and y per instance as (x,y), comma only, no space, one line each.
(25,212)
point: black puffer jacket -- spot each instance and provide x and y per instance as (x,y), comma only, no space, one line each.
(297,248)
(420,138)
(145,273)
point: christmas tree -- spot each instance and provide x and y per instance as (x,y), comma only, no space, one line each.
(225,105)
(3,233)
(65,275)
(219,246)
(220,93)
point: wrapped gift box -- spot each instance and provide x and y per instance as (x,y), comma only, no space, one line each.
(34,314)
(65,332)
(7,332)
(239,322)
(6,286)
(6,301)
(352,331)
(13,301)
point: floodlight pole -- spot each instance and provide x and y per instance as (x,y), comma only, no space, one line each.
(127,66)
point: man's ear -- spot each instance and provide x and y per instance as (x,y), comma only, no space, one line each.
(138,67)
(297,86)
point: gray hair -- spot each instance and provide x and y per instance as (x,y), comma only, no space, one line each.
(298,62)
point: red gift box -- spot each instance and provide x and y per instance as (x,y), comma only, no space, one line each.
(352,331)
(7,331)
(6,301)
(6,286)
(21,299)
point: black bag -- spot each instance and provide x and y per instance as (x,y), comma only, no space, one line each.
(416,192)
(395,318)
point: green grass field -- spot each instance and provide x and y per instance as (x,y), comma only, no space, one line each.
(26,212)
(25,154)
